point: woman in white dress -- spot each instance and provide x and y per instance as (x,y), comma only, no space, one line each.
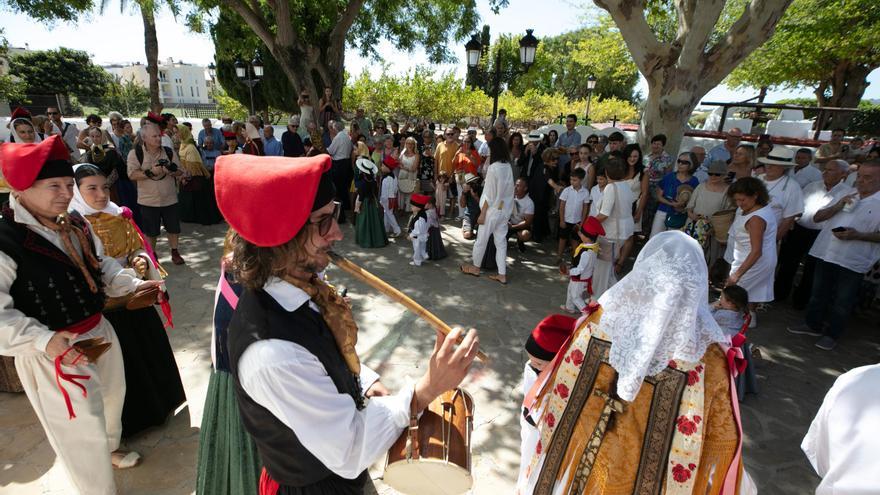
(496,205)
(615,210)
(638,182)
(408,176)
(751,246)
(603,273)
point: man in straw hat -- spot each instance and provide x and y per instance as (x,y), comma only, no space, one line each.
(299,382)
(54,282)
(786,196)
(640,399)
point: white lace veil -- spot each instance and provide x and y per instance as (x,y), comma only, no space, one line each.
(659,311)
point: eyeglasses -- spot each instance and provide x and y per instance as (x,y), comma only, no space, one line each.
(715,175)
(449,134)
(684,162)
(326,222)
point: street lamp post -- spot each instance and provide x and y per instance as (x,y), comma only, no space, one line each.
(527,47)
(591,85)
(249,75)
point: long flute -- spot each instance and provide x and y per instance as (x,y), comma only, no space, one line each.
(383,287)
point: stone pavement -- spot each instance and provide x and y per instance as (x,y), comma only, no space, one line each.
(794,375)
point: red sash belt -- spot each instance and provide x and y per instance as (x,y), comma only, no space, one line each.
(589,282)
(78,328)
(268,486)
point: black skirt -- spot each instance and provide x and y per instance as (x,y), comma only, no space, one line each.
(436,250)
(153,389)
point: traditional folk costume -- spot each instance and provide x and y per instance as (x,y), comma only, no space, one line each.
(153,385)
(369,226)
(418,229)
(298,380)
(583,262)
(388,200)
(55,278)
(735,325)
(436,249)
(543,343)
(196,196)
(227,463)
(640,400)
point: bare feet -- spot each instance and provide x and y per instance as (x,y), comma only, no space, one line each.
(501,279)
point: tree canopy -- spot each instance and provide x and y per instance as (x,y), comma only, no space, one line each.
(61,71)
(49,10)
(828,45)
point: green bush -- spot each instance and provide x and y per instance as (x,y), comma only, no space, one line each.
(866,120)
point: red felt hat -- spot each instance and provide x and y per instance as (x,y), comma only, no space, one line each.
(592,227)
(24,163)
(390,162)
(20,113)
(549,335)
(155,118)
(419,200)
(267,199)
(229,135)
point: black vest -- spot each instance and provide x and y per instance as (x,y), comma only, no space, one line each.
(258,317)
(48,286)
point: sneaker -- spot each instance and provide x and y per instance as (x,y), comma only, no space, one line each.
(804,330)
(754,322)
(826,343)
(413,263)
(176,258)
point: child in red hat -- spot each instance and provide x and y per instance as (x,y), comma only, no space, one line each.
(580,275)
(418,229)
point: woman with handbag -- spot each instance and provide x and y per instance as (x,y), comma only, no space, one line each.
(408,176)
(153,385)
(708,198)
(671,213)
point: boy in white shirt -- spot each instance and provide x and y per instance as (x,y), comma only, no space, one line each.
(572,211)
(388,200)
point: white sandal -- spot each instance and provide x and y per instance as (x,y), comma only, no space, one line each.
(130,460)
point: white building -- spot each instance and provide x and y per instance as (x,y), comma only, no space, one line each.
(178,82)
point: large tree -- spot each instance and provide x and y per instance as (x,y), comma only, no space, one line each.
(62,71)
(148,10)
(828,45)
(307,38)
(687,49)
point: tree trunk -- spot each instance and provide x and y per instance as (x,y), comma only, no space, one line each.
(662,115)
(847,88)
(151,47)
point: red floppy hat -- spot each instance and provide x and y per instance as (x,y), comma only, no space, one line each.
(549,335)
(24,163)
(268,199)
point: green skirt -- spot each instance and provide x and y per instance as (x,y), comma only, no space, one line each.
(228,462)
(370,227)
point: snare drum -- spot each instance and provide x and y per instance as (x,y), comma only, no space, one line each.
(435,457)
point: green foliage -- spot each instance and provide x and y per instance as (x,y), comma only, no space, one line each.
(663,19)
(564,62)
(866,120)
(230,106)
(11,89)
(443,99)
(232,39)
(126,97)
(61,71)
(812,39)
(49,10)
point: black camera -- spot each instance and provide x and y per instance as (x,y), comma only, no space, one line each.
(171,166)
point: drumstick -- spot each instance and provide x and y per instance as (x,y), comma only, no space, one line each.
(383,287)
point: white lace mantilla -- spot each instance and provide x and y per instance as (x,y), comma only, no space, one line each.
(659,311)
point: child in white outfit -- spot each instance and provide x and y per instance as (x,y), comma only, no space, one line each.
(418,229)
(388,200)
(582,266)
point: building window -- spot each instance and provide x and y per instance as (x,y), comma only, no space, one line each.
(192,92)
(162,76)
(197,92)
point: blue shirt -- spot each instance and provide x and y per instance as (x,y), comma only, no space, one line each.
(272,147)
(717,153)
(669,185)
(218,138)
(567,140)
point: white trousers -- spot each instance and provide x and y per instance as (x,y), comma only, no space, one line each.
(659,224)
(83,444)
(420,251)
(391,224)
(574,300)
(496,226)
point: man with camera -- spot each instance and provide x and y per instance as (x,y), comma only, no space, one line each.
(155,169)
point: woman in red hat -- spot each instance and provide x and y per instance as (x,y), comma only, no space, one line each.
(300,385)
(54,281)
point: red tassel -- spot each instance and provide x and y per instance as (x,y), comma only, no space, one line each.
(61,375)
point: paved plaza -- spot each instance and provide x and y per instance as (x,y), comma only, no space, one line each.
(794,375)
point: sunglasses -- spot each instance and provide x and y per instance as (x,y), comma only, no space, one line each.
(592,142)
(716,175)
(53,113)
(326,222)
(684,162)
(449,134)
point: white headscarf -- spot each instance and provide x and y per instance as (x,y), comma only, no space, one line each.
(78,203)
(15,135)
(252,131)
(659,311)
